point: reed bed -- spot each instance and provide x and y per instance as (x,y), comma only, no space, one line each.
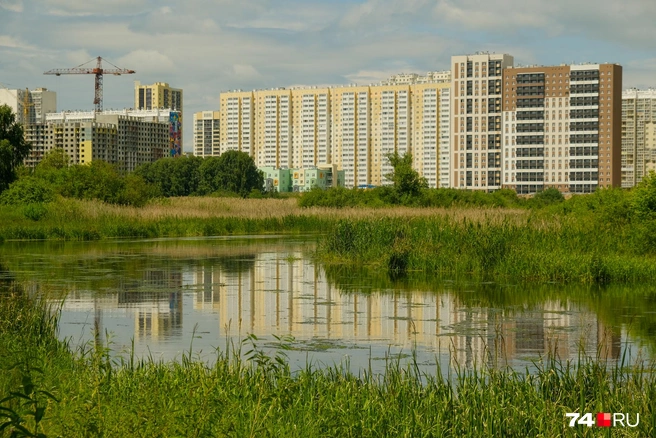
(563,250)
(70,219)
(86,393)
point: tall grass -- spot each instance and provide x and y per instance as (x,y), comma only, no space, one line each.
(260,396)
(564,249)
(69,219)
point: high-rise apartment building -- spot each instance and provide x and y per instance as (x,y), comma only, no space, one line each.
(161,96)
(127,138)
(29,106)
(530,128)
(311,127)
(351,124)
(207,134)
(352,128)
(638,139)
(476,93)
(237,122)
(562,128)
(273,127)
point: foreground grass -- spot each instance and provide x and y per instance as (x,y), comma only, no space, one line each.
(70,219)
(86,394)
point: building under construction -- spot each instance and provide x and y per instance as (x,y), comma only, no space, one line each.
(127,138)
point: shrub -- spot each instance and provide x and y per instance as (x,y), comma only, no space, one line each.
(35,212)
(549,196)
(26,191)
(644,197)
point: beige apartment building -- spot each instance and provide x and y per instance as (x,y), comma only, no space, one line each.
(562,128)
(638,135)
(530,128)
(207,134)
(476,92)
(352,128)
(161,96)
(311,127)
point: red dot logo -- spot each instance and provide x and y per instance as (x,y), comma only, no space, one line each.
(603,420)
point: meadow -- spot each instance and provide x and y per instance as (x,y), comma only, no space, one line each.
(53,391)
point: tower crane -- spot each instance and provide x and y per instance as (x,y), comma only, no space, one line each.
(99,71)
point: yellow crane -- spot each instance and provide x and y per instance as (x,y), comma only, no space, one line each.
(25,102)
(26,106)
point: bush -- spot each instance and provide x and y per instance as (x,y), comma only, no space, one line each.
(136,191)
(26,191)
(35,212)
(644,197)
(549,196)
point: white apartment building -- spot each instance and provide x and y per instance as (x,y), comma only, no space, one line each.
(29,106)
(207,134)
(638,139)
(237,122)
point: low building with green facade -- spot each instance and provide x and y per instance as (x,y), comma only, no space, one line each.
(277,179)
(301,180)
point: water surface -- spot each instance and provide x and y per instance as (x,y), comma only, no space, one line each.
(170,297)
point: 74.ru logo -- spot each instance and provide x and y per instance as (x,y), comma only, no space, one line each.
(602,419)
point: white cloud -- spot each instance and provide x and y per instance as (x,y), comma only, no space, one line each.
(364,77)
(245,71)
(12,5)
(149,61)
(14,43)
(84,8)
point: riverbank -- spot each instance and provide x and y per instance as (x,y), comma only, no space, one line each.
(537,248)
(86,393)
(71,219)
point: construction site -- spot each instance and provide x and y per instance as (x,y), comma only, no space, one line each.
(142,133)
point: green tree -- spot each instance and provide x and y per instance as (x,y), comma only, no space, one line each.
(96,180)
(173,176)
(232,171)
(54,169)
(13,147)
(644,197)
(408,183)
(56,159)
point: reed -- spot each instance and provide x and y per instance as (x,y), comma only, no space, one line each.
(563,249)
(248,392)
(70,219)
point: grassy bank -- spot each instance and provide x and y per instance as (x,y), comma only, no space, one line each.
(85,394)
(71,219)
(536,248)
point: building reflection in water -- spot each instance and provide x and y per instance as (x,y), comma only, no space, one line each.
(287,294)
(155,302)
(284,293)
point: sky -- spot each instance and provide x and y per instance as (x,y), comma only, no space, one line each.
(209,46)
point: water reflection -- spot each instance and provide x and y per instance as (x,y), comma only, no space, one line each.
(160,293)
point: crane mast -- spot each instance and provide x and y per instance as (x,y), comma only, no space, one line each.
(98,71)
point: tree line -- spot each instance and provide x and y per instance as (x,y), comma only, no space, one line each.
(233,173)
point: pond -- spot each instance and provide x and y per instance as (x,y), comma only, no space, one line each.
(170,297)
